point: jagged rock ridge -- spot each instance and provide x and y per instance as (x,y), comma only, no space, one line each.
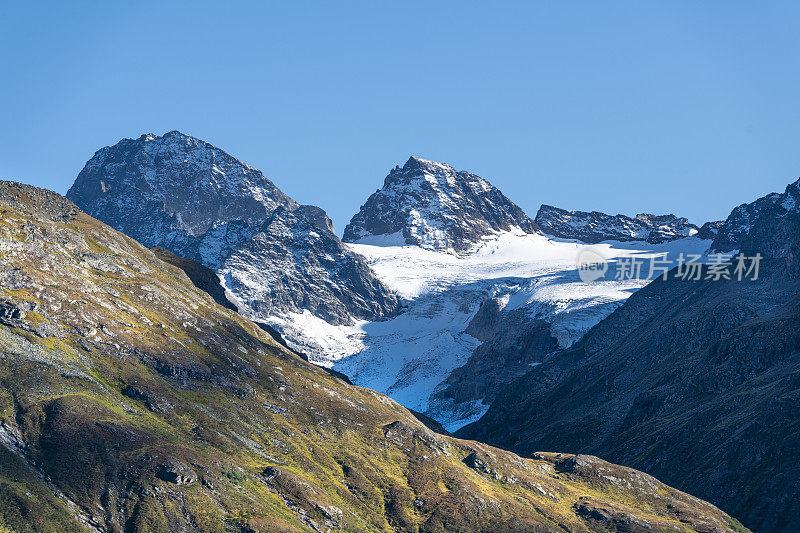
(436,207)
(273,255)
(594,226)
(769,226)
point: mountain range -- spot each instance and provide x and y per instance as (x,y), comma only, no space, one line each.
(442,294)
(397,309)
(481,307)
(132,401)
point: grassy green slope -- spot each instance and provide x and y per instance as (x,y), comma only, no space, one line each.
(142,405)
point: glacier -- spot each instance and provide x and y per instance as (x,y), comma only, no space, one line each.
(408,357)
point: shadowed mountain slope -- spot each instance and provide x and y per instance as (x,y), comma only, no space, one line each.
(697,382)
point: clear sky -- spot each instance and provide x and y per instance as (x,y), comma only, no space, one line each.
(685,107)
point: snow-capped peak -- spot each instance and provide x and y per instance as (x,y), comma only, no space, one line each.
(425,164)
(434,206)
(273,254)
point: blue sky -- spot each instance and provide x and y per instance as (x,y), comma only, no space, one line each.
(684,107)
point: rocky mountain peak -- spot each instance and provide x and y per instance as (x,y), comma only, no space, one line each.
(417,163)
(199,202)
(194,183)
(434,206)
(317,216)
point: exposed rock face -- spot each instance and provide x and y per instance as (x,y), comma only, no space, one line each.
(436,207)
(317,216)
(709,230)
(594,227)
(306,268)
(158,410)
(512,341)
(177,472)
(197,201)
(30,199)
(697,380)
(770,225)
(161,189)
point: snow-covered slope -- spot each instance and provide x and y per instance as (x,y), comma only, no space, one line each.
(436,207)
(411,356)
(273,255)
(477,318)
(485,294)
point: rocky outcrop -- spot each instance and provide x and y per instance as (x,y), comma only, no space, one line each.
(436,207)
(290,264)
(317,216)
(709,230)
(195,200)
(30,199)
(594,226)
(177,472)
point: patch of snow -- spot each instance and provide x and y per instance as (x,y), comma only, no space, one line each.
(388,239)
(313,336)
(458,415)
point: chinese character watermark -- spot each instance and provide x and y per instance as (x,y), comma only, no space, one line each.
(593,266)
